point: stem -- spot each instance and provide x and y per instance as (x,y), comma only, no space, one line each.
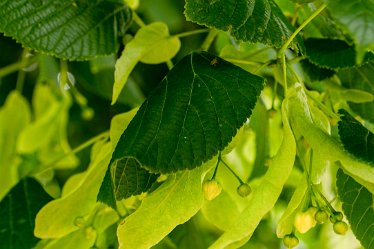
(297,31)
(22,74)
(137,19)
(228,167)
(209,40)
(102,136)
(239,61)
(15,67)
(284,70)
(216,169)
(170,64)
(192,32)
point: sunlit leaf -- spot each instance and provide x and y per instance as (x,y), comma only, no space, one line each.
(152,44)
(194,113)
(73,30)
(265,195)
(18,210)
(173,203)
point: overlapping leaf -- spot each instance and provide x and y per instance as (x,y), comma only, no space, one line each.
(358,208)
(73,30)
(18,210)
(193,114)
(357,17)
(254,21)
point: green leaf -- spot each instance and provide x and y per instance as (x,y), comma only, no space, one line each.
(357,17)
(254,21)
(17,211)
(59,217)
(75,30)
(266,194)
(358,208)
(332,54)
(355,137)
(200,104)
(361,79)
(81,239)
(173,203)
(286,222)
(14,117)
(322,143)
(152,44)
(130,179)
(221,211)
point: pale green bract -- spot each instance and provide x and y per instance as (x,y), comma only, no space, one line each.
(323,144)
(265,195)
(178,199)
(286,223)
(14,117)
(152,44)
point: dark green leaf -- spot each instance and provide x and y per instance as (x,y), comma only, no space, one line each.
(358,207)
(332,54)
(355,137)
(360,78)
(315,72)
(357,200)
(130,179)
(18,211)
(106,194)
(74,30)
(255,21)
(357,17)
(193,114)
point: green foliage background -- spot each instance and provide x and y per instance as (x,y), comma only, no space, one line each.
(115,113)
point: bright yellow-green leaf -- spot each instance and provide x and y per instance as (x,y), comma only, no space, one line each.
(119,124)
(173,203)
(14,117)
(59,217)
(152,44)
(265,195)
(81,239)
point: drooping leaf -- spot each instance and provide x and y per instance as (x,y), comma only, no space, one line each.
(172,204)
(14,117)
(361,79)
(265,195)
(358,208)
(193,114)
(332,53)
(355,137)
(74,30)
(152,44)
(17,211)
(357,17)
(130,179)
(59,217)
(254,21)
(322,143)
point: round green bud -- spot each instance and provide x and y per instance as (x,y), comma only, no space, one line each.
(244,190)
(321,216)
(290,241)
(340,227)
(336,216)
(211,189)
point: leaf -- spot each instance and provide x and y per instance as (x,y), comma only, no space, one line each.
(173,203)
(358,208)
(266,194)
(130,179)
(80,239)
(193,114)
(356,16)
(14,117)
(254,21)
(314,72)
(332,53)
(59,217)
(75,30)
(152,44)
(361,79)
(355,137)
(322,144)
(18,210)
(221,211)
(286,222)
